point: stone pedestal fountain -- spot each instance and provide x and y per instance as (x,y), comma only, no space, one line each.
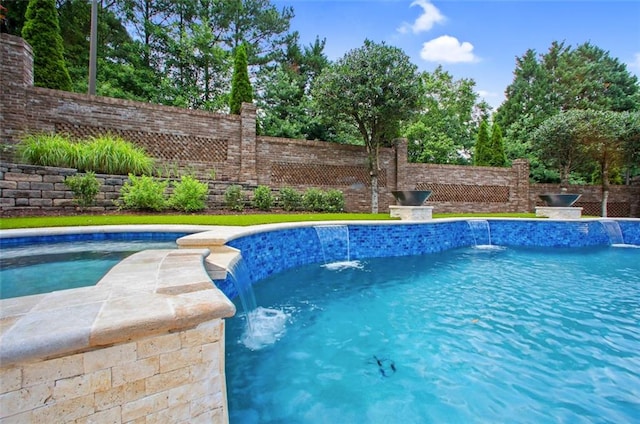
(559,206)
(410,205)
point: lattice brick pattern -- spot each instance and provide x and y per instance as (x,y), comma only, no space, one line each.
(466,193)
(158,145)
(614,209)
(284,173)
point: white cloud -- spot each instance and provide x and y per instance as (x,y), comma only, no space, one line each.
(447,49)
(430,16)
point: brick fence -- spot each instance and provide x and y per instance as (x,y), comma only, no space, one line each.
(207,143)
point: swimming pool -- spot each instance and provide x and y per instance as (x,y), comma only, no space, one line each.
(45,263)
(356,349)
(465,335)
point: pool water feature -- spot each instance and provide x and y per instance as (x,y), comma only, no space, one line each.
(334,240)
(40,265)
(445,337)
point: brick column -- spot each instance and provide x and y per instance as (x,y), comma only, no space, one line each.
(248,171)
(16,76)
(402,157)
(520,168)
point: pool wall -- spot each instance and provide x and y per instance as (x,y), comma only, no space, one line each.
(271,252)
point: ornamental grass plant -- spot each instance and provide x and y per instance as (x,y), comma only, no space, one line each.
(105,154)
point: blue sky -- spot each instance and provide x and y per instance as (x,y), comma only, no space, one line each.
(478,39)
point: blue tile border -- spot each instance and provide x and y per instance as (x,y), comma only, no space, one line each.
(271,252)
(97,236)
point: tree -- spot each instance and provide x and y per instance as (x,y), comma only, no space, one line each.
(443,132)
(560,80)
(373,88)
(285,100)
(602,134)
(496,147)
(42,31)
(482,156)
(241,91)
(558,143)
(631,144)
(12,16)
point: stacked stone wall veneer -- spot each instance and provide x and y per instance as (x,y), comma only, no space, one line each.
(172,378)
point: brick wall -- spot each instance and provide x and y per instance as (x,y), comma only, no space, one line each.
(172,378)
(463,189)
(300,164)
(204,143)
(624,201)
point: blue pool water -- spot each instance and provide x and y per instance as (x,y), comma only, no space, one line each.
(43,264)
(468,335)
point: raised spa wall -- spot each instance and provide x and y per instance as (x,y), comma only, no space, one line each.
(146,344)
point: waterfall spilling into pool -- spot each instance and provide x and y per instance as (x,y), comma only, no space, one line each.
(481,233)
(263,326)
(616,239)
(334,240)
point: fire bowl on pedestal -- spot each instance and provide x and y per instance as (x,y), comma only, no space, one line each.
(411,197)
(560,200)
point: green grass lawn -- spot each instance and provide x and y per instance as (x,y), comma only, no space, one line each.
(240,220)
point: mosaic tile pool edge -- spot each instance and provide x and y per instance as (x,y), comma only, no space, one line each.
(272,252)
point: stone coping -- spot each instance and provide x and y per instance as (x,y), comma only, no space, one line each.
(150,292)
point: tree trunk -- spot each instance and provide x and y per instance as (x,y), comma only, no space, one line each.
(605,188)
(374,192)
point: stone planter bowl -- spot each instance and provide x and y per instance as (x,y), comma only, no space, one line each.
(411,197)
(561,200)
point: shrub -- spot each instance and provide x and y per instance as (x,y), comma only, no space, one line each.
(85,188)
(313,200)
(290,199)
(262,198)
(189,195)
(334,201)
(143,193)
(233,198)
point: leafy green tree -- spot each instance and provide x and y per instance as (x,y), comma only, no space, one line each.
(631,144)
(496,147)
(241,91)
(373,88)
(42,31)
(558,143)
(443,132)
(602,134)
(482,156)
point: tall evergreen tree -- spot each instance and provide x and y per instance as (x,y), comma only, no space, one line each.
(42,31)
(498,157)
(482,156)
(241,91)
